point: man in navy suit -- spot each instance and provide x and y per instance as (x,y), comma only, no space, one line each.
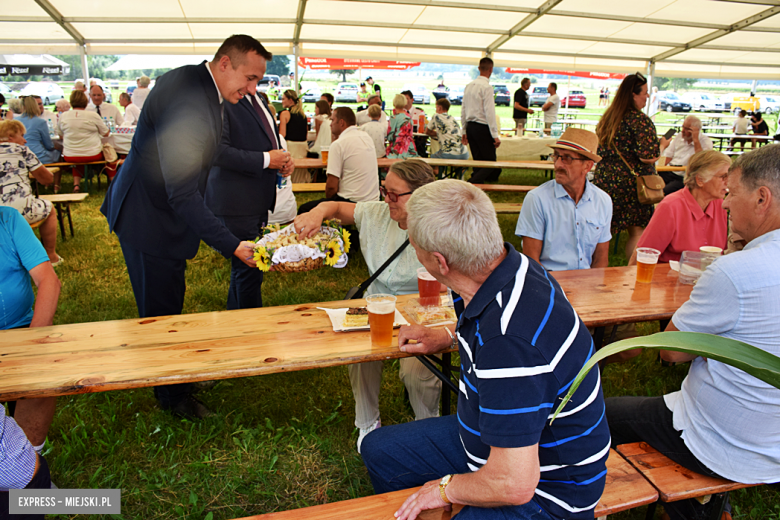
(155,203)
(242,187)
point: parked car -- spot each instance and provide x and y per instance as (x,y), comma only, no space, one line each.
(703,102)
(671,102)
(6,91)
(419,93)
(49,92)
(456,95)
(346,92)
(310,92)
(726,100)
(131,86)
(746,103)
(538,96)
(501,94)
(575,98)
(769,105)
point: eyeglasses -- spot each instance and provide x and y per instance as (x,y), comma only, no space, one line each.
(567,159)
(390,195)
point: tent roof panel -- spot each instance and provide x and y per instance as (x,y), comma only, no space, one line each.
(27,8)
(33,31)
(643,9)
(352,33)
(261,31)
(450,38)
(662,33)
(757,40)
(133,31)
(85,8)
(769,23)
(450,17)
(566,62)
(354,11)
(633,51)
(529,4)
(240,9)
(571,26)
(530,44)
(707,11)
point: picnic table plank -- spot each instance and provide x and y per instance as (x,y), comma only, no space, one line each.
(65,197)
(456,163)
(136,353)
(507,208)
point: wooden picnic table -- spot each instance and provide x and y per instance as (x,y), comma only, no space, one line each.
(314,187)
(455,163)
(137,353)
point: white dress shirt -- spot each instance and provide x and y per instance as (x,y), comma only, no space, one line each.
(479,105)
(352,159)
(139,96)
(109,111)
(551,116)
(132,115)
(681,152)
(363,118)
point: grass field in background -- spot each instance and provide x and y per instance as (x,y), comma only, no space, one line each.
(278,441)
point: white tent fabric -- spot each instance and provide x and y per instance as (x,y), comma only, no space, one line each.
(688,38)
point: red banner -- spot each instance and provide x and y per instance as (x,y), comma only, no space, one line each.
(341,64)
(578,73)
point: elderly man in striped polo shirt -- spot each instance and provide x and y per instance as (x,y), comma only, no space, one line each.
(521,344)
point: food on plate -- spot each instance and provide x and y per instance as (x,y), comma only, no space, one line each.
(429,314)
(356,317)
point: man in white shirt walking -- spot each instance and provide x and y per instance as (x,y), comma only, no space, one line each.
(104,109)
(551,106)
(478,117)
(353,175)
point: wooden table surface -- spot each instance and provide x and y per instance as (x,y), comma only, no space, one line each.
(313,187)
(457,163)
(136,353)
(508,208)
(65,197)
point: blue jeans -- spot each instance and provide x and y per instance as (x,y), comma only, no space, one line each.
(408,455)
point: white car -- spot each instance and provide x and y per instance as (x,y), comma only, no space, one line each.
(310,92)
(6,91)
(419,92)
(769,104)
(49,92)
(704,102)
(346,92)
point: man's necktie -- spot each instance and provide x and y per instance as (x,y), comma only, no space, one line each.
(98,110)
(264,122)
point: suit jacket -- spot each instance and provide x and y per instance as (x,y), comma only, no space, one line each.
(155,203)
(238,184)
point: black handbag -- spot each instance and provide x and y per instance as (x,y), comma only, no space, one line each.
(356,293)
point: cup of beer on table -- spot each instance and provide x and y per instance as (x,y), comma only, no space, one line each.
(428,287)
(324,155)
(381,314)
(646,259)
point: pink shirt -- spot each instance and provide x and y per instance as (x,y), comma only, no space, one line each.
(679,224)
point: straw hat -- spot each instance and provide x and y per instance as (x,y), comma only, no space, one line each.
(580,141)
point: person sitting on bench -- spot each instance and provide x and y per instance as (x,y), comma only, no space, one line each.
(723,422)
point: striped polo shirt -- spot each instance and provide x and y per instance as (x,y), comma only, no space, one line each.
(521,345)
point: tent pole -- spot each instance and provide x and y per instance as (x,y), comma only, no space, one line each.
(295,78)
(650,80)
(568,95)
(84,68)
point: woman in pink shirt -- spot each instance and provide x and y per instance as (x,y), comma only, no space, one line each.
(691,217)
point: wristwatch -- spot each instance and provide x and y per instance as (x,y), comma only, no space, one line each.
(443,483)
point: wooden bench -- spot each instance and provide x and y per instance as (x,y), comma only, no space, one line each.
(87,170)
(508,208)
(314,187)
(625,489)
(674,482)
(62,202)
(308,187)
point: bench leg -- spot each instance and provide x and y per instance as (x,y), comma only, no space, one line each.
(651,510)
(60,217)
(70,219)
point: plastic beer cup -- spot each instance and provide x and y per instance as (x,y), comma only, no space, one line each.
(381,314)
(324,155)
(646,259)
(428,288)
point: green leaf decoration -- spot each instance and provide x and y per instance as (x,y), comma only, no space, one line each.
(756,362)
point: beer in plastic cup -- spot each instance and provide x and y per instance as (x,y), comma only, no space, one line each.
(428,288)
(646,258)
(324,155)
(381,314)
(713,250)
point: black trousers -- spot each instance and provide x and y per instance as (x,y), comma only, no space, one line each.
(41,480)
(647,419)
(483,148)
(308,206)
(158,285)
(245,281)
(673,182)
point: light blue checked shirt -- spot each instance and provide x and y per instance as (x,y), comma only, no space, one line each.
(730,420)
(17,456)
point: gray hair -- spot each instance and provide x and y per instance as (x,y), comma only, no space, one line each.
(79,85)
(414,172)
(371,98)
(695,121)
(761,168)
(144,81)
(16,106)
(458,221)
(62,104)
(703,165)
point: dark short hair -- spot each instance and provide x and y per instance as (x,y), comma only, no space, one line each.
(238,46)
(368,78)
(2,99)
(525,80)
(345,114)
(125,95)
(444,103)
(323,106)
(78,99)
(329,97)
(408,93)
(554,85)
(485,63)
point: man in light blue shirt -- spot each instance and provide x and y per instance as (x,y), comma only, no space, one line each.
(724,422)
(564,223)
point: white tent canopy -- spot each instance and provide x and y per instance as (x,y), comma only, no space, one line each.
(682,38)
(157,61)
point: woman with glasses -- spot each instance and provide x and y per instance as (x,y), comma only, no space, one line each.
(382,227)
(624,130)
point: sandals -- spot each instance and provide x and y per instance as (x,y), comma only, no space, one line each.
(56,188)
(76,189)
(59,261)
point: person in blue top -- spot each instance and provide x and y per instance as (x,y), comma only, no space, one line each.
(521,344)
(37,135)
(564,223)
(22,257)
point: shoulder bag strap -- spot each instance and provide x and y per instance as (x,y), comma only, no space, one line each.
(624,161)
(364,285)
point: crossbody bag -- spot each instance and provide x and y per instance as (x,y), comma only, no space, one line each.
(649,188)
